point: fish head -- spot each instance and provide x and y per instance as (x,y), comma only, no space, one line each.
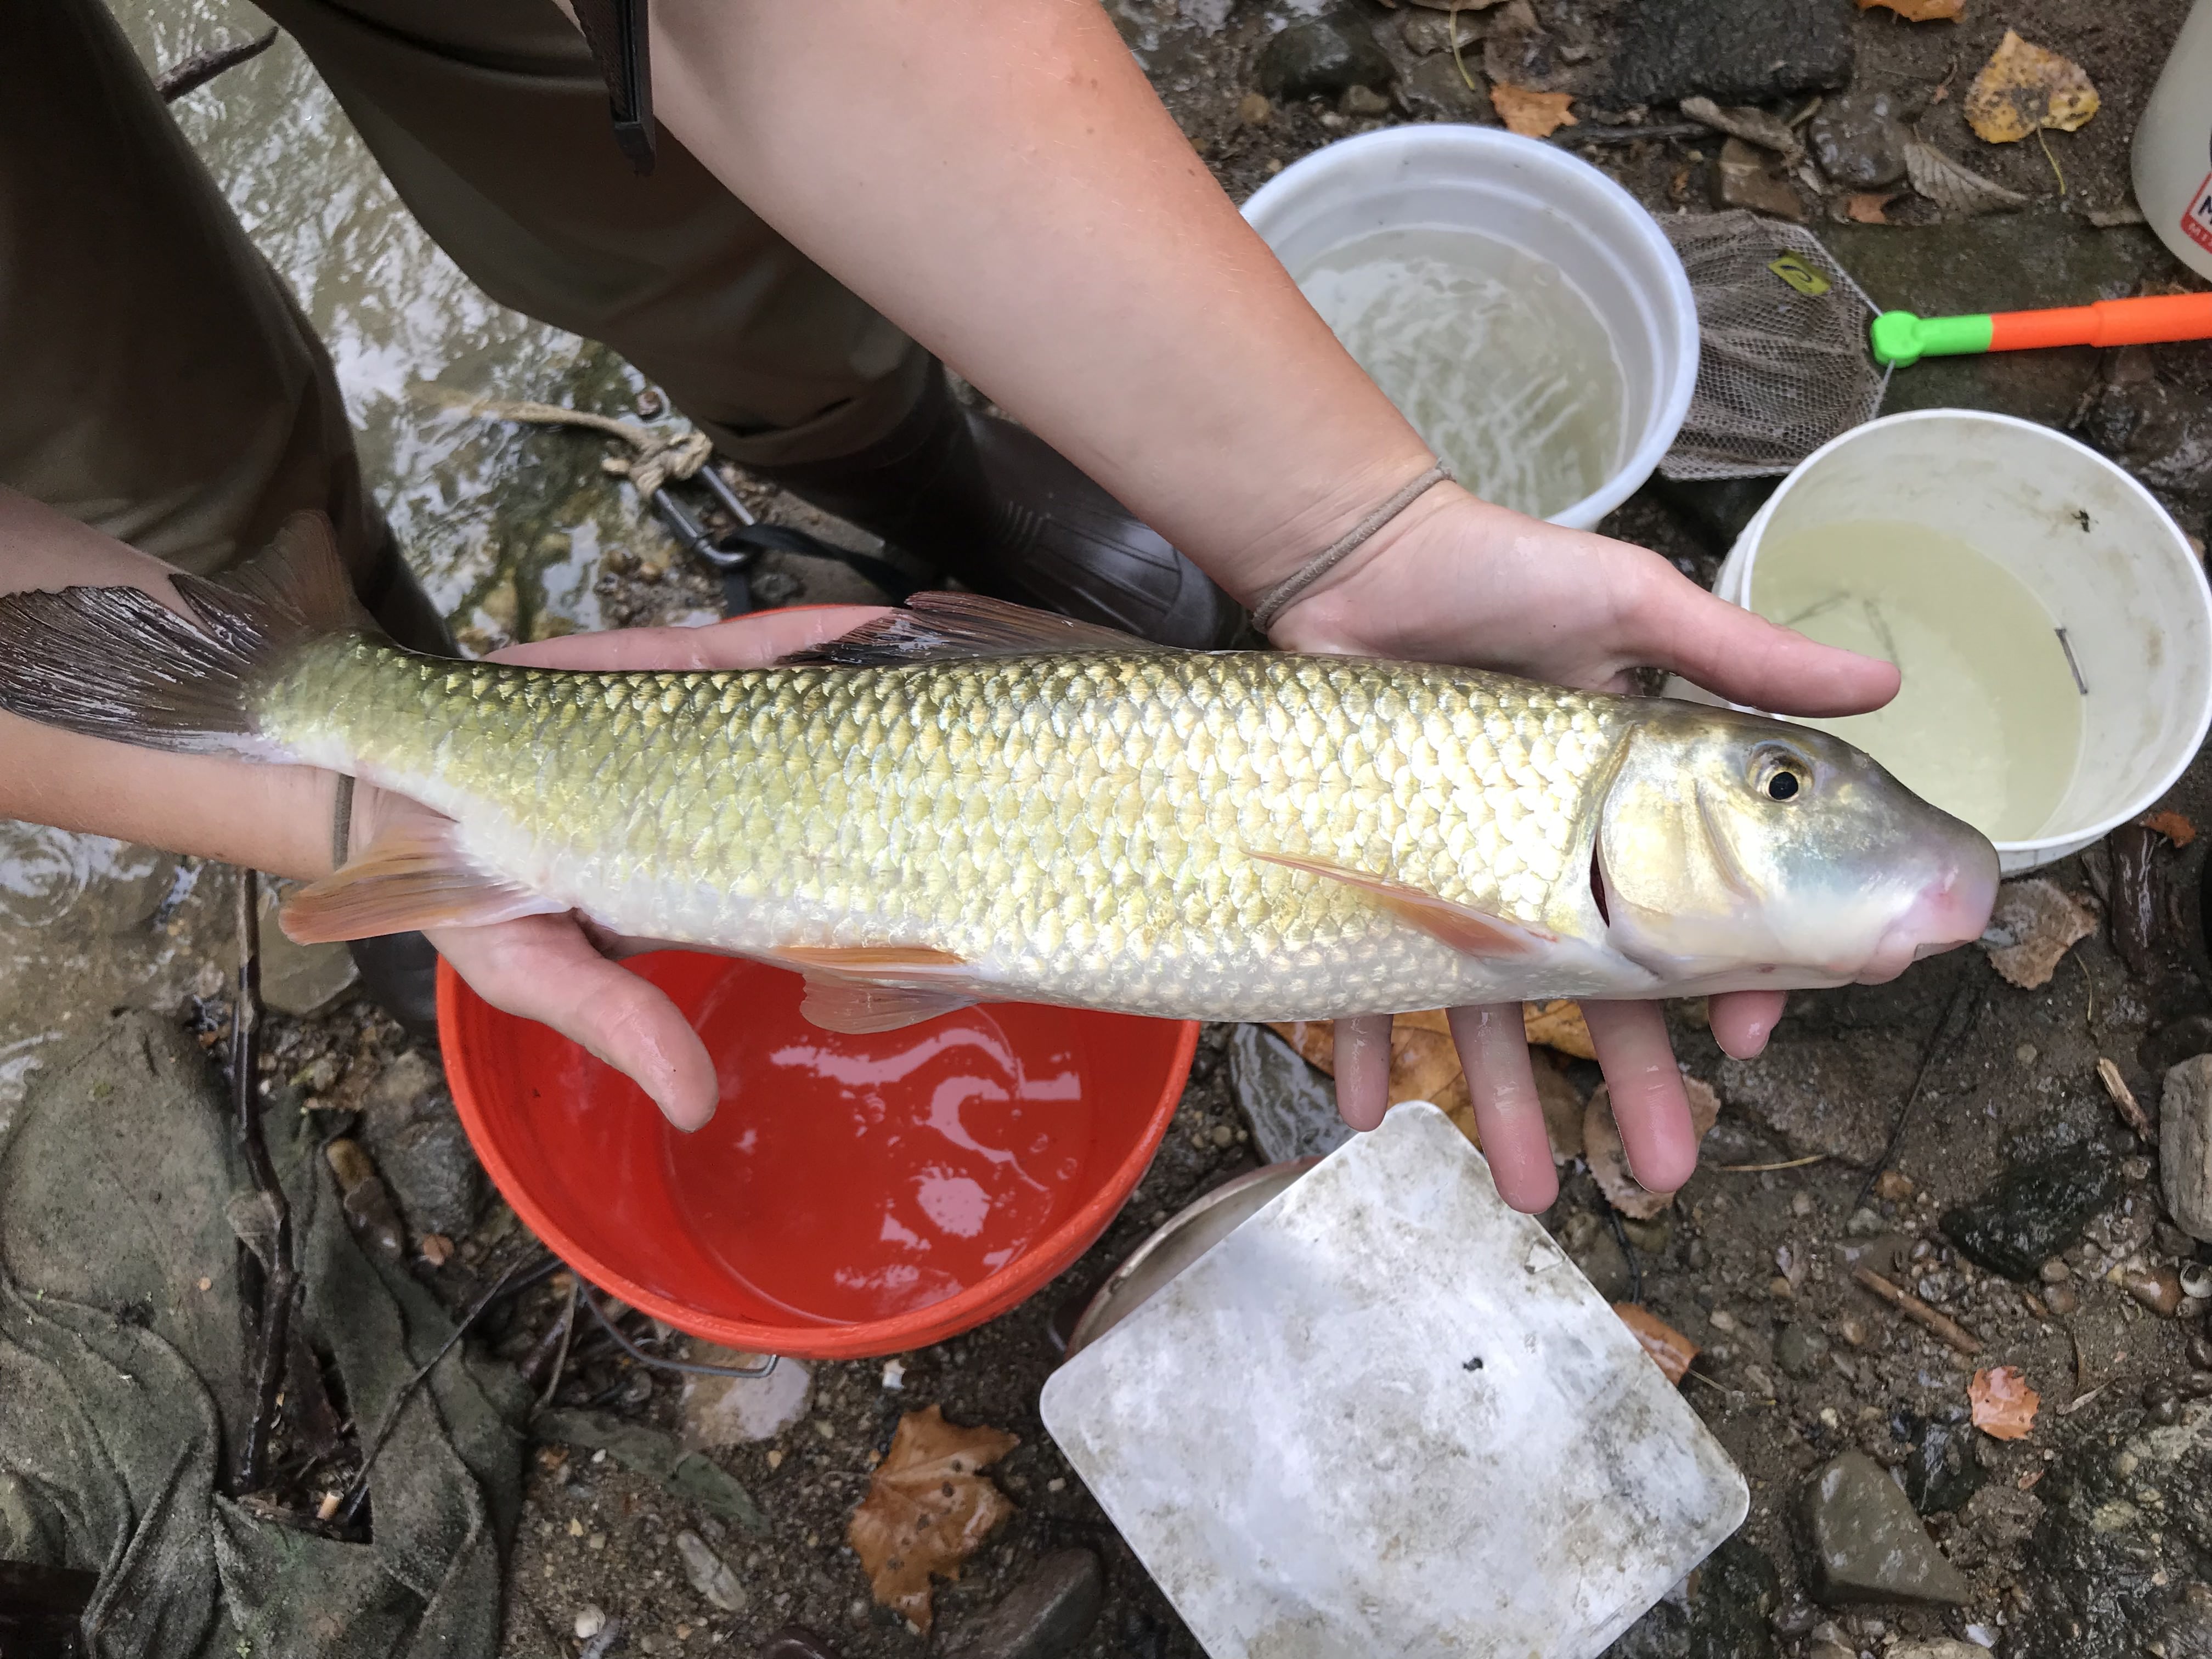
(1734,852)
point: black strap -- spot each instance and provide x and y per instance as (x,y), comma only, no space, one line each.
(616,32)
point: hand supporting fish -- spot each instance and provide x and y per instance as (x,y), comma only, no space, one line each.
(968,801)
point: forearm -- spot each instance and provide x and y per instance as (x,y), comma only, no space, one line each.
(998,178)
(271,818)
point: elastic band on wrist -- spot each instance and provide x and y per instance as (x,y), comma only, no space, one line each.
(1277,599)
(342,822)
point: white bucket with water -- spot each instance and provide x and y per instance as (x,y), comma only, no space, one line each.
(1536,198)
(2105,562)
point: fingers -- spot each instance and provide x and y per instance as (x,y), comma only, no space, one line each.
(752,641)
(1494,1053)
(1363,1069)
(1743,1020)
(543,968)
(1676,625)
(1647,1099)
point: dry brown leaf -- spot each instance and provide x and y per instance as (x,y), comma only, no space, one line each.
(1423,1064)
(2042,921)
(1608,1159)
(1562,1107)
(1754,126)
(2174,827)
(1920,11)
(1559,1025)
(1531,114)
(1668,1347)
(1865,207)
(2004,1405)
(2024,87)
(927,1510)
(1953,186)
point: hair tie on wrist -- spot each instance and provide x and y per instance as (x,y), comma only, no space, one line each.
(1277,599)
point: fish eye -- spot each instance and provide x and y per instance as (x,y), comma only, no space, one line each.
(1781,785)
(1781,774)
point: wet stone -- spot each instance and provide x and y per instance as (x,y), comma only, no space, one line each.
(1800,1351)
(1725,1613)
(1943,1469)
(411,1130)
(1866,1545)
(2185,1144)
(2037,1209)
(1735,52)
(1747,178)
(1045,1616)
(1290,1105)
(1321,58)
(1859,140)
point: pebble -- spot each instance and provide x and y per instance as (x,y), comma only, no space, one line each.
(1802,1205)
(1363,100)
(2055,1272)
(2061,1299)
(1799,1350)
(1649,1237)
(1895,1185)
(2185,1144)
(1853,1330)
(1863,1224)
(2158,1289)
(1722,1320)
(2200,1350)
(2026,1053)
(1321,58)
(2036,1209)
(1867,1543)
(1745,179)
(709,1574)
(1254,109)
(1859,140)
(2163,1402)
(590,1621)
(1048,1614)
(1943,1468)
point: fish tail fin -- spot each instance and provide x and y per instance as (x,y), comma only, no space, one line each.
(117,663)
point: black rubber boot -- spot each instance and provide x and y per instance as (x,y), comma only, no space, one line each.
(996,506)
(399,971)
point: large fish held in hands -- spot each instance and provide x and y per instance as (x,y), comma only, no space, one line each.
(968,801)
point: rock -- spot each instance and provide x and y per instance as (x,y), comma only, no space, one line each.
(2158,1289)
(2185,1144)
(591,1619)
(301,980)
(1867,1544)
(1435,88)
(731,1411)
(1799,1350)
(1363,101)
(1735,52)
(2036,1210)
(1320,59)
(709,1574)
(1290,1105)
(1859,140)
(1428,35)
(1943,1469)
(1746,178)
(1045,1616)
(1723,1612)
(411,1130)
(1940,1647)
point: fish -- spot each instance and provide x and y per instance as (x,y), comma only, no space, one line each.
(966,800)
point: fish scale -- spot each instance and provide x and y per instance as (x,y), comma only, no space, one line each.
(1074,827)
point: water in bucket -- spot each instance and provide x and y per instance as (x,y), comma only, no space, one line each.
(1988,725)
(1496,358)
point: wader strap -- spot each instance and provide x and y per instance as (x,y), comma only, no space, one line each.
(615,30)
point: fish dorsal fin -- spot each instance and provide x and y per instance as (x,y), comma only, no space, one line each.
(944,627)
(1471,932)
(411,875)
(860,988)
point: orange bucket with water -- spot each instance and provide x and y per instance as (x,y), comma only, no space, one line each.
(853,1195)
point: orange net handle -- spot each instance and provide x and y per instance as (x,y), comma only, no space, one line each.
(2147,321)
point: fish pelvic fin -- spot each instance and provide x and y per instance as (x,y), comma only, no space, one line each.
(411,875)
(1471,932)
(856,989)
(117,663)
(944,627)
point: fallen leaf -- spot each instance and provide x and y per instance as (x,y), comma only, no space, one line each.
(1531,114)
(1668,1347)
(2033,926)
(1754,126)
(1608,1159)
(1559,1025)
(1562,1107)
(1865,207)
(1953,186)
(2004,1405)
(2024,87)
(2174,827)
(1423,1064)
(927,1510)
(1919,11)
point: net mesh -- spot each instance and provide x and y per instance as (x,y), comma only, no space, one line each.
(1780,371)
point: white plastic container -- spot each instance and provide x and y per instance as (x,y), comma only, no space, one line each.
(1386,1418)
(1532,196)
(2089,542)
(2173,146)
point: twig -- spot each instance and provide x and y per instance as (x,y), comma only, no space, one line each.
(2044,139)
(561,1353)
(1451,27)
(282,1280)
(750,1373)
(2123,1100)
(359,1489)
(1919,1312)
(1769,1169)
(2089,990)
(201,67)
(1628,1255)
(1967,981)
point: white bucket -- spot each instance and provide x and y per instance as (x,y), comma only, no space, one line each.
(1536,197)
(2104,558)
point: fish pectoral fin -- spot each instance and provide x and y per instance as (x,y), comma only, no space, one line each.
(1471,932)
(949,627)
(411,875)
(860,988)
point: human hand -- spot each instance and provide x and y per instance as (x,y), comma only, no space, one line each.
(558,970)
(1454,579)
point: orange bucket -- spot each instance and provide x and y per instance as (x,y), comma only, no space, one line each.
(853,1195)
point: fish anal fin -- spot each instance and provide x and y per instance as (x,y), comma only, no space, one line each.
(411,875)
(947,627)
(860,989)
(1471,932)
